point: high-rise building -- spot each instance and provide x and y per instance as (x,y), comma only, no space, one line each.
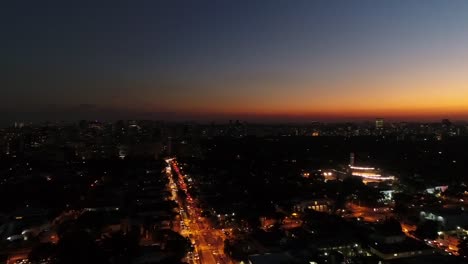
(351,159)
(379,123)
(169,146)
(446,123)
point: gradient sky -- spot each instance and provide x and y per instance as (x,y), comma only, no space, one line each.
(247,59)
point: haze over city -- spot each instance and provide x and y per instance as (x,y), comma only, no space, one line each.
(218,60)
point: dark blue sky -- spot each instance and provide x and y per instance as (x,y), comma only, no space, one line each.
(208,58)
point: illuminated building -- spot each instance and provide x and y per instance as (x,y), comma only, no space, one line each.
(329,175)
(320,205)
(369,174)
(437,189)
(449,219)
(387,195)
(7,148)
(122,152)
(379,123)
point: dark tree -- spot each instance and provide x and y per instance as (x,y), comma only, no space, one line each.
(178,245)
(182,195)
(42,251)
(78,247)
(427,229)
(463,248)
(391,226)
(402,200)
(121,247)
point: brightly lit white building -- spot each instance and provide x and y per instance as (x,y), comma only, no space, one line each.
(448,218)
(369,174)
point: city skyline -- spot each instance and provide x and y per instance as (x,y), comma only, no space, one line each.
(216,60)
(233,132)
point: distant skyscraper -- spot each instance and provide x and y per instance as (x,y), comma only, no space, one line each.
(446,123)
(351,159)
(7,148)
(169,145)
(379,123)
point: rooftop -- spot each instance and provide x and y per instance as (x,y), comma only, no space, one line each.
(269,258)
(406,245)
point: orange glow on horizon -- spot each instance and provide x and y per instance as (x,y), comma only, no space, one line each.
(334,112)
(408,95)
(343,114)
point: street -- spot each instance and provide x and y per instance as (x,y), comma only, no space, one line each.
(208,241)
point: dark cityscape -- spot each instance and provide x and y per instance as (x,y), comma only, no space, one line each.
(234,132)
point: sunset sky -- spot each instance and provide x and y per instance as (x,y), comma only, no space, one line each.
(253,59)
